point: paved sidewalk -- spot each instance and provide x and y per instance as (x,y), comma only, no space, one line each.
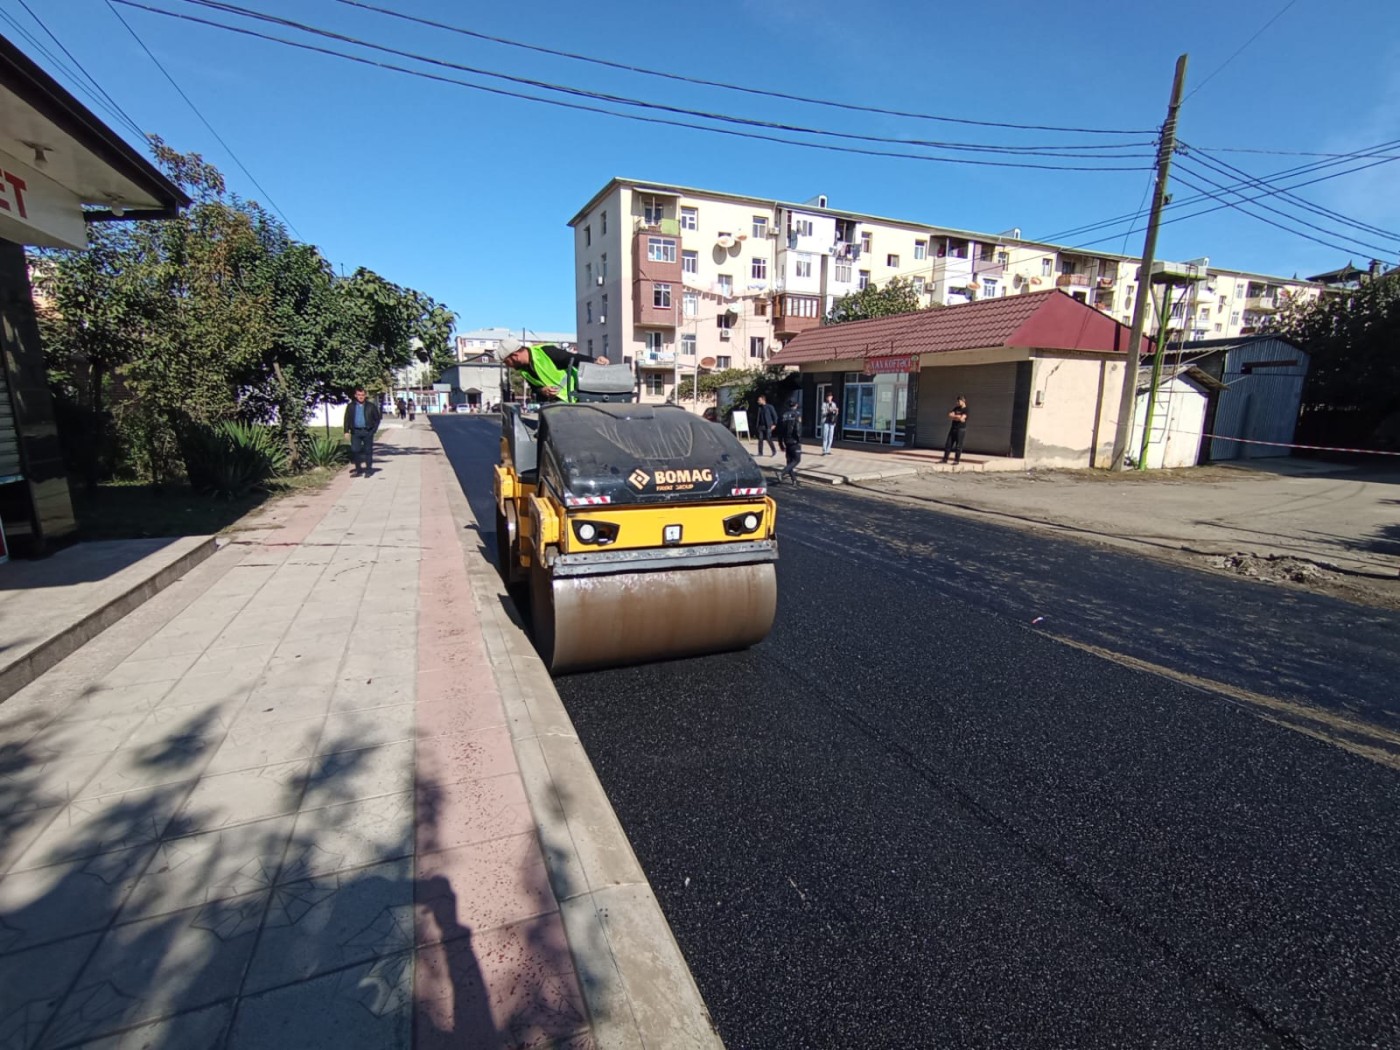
(279,806)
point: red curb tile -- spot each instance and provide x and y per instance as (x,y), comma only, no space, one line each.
(461,756)
(464,712)
(472,811)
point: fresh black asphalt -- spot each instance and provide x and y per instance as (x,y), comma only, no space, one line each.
(912,818)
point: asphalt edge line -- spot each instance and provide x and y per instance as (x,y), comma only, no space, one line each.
(636,984)
(52,651)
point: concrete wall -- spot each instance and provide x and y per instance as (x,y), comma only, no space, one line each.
(1073,411)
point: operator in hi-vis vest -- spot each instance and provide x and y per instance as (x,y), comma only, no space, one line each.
(551,371)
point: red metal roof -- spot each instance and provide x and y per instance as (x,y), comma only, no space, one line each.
(1049,320)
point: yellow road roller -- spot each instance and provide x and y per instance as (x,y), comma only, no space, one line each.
(632,533)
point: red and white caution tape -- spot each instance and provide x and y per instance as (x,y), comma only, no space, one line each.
(1315,448)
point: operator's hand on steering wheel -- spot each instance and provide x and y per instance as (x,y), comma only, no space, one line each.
(549,393)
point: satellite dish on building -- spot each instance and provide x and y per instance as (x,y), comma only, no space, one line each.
(707,362)
(726,241)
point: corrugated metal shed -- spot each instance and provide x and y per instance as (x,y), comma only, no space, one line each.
(1263,377)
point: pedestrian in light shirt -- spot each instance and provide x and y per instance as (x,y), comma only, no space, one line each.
(361,421)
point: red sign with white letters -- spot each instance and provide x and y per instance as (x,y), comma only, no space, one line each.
(879,365)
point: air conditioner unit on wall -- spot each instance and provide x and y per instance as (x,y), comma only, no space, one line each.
(602,319)
(724,335)
(600,279)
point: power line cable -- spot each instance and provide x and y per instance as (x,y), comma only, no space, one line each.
(73,76)
(1257,34)
(1231,172)
(577,92)
(730,87)
(1370,152)
(608,112)
(125,117)
(1239,206)
(190,102)
(1268,152)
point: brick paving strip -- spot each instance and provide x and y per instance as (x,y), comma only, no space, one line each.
(280,805)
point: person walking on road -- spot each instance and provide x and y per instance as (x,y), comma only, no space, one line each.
(766,423)
(831,412)
(957,430)
(790,434)
(362,418)
(412,409)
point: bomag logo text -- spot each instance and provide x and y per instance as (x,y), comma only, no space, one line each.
(684,477)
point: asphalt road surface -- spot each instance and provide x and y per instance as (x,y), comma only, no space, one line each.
(1165,815)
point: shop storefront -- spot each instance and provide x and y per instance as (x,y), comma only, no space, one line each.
(876,403)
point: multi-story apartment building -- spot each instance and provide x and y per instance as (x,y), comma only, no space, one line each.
(673,279)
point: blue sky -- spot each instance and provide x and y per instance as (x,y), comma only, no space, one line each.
(465,195)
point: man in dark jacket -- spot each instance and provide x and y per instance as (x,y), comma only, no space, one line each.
(790,434)
(767,420)
(361,421)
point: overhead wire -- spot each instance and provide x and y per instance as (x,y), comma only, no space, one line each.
(1188,181)
(204,120)
(1257,34)
(423,74)
(1071,151)
(854,107)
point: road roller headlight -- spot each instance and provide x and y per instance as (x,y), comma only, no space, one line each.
(596,533)
(743,524)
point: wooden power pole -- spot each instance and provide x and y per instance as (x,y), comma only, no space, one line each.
(1165,146)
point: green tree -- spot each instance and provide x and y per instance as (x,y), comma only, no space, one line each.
(1353,340)
(895,296)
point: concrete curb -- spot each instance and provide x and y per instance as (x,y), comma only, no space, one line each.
(50,652)
(639,990)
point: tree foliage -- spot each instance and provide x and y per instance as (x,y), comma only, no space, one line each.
(163,329)
(1353,340)
(895,296)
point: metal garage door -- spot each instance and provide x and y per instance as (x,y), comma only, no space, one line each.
(9,438)
(995,424)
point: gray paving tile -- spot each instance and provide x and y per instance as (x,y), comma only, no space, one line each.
(350,835)
(216,865)
(103,700)
(377,662)
(296,669)
(225,688)
(375,690)
(48,904)
(351,730)
(159,967)
(364,1007)
(196,1029)
(156,669)
(319,925)
(270,705)
(38,776)
(243,658)
(81,736)
(247,795)
(348,775)
(18,831)
(250,744)
(33,983)
(87,827)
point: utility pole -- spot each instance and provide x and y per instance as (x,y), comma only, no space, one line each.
(1165,146)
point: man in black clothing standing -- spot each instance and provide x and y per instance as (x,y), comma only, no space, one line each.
(361,421)
(957,430)
(766,421)
(790,434)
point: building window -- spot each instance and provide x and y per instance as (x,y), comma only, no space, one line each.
(690,262)
(990,287)
(588,308)
(803,268)
(760,307)
(725,283)
(661,249)
(661,296)
(921,249)
(724,361)
(603,223)
(655,342)
(918,286)
(690,303)
(603,311)
(865,241)
(756,346)
(864,281)
(605,344)
(653,211)
(655,383)
(802,227)
(588,275)
(1220,328)
(1003,258)
(690,218)
(590,348)
(1178,310)
(759,271)
(1235,317)
(588,236)
(724,321)
(760,226)
(1047,266)
(843,273)
(603,266)
(688,344)
(892,261)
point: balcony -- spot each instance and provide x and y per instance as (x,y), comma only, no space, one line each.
(1262,304)
(1073,280)
(669,227)
(656,359)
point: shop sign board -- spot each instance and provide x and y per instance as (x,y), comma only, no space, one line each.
(35,210)
(875,366)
